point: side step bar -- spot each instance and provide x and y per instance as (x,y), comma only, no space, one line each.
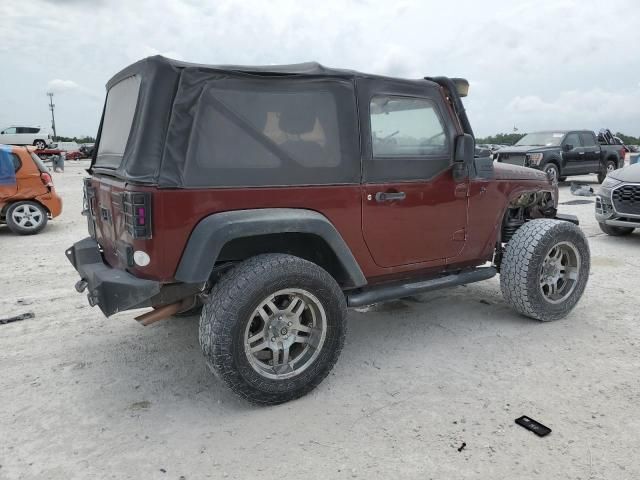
(395,290)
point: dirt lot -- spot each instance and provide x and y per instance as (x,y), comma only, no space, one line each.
(87,397)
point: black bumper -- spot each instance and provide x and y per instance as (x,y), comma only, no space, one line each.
(111,289)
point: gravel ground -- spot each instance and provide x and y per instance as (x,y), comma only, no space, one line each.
(87,397)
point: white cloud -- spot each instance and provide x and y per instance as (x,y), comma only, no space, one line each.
(595,108)
(527,57)
(58,86)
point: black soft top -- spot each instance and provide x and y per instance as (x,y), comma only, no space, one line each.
(311,69)
(186,125)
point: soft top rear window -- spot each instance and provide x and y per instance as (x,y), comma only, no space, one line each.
(119,111)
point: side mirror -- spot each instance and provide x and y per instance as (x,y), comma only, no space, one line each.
(463,157)
(567,147)
(465,149)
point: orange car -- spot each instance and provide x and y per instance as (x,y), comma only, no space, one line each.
(27,196)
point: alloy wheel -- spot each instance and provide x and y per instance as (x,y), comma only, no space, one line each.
(285,333)
(559,272)
(27,216)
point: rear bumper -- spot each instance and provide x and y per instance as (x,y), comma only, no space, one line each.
(52,202)
(111,289)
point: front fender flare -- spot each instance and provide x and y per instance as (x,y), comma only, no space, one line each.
(213,232)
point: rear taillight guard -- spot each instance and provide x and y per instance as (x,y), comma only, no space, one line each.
(137,214)
(88,194)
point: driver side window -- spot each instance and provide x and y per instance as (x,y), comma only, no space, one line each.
(405,127)
(572,139)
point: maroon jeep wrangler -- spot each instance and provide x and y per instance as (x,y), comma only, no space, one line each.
(276,197)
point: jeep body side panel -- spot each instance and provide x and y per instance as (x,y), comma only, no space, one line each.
(213,232)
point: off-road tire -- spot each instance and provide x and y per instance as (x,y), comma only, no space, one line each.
(522,264)
(552,167)
(602,174)
(20,230)
(231,304)
(615,231)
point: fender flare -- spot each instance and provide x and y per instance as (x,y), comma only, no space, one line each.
(214,231)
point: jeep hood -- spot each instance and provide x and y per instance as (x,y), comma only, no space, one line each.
(627,174)
(504,171)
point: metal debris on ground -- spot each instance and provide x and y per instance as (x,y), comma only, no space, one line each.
(581,190)
(17,318)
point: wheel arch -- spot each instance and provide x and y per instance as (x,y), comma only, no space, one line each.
(556,161)
(237,235)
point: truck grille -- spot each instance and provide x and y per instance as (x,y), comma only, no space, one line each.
(511,159)
(626,199)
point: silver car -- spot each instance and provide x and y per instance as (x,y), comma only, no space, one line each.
(618,201)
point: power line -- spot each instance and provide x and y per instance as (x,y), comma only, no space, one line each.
(53,117)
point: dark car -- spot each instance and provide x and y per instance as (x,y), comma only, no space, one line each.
(86,149)
(618,201)
(561,153)
(279,196)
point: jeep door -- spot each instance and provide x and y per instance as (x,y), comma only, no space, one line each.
(412,209)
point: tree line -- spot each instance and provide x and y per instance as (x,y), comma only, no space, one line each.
(76,139)
(512,138)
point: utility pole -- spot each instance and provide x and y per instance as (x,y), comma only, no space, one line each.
(53,117)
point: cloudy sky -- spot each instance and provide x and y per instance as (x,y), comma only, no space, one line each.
(531,64)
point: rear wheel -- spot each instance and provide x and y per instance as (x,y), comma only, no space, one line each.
(609,167)
(26,218)
(545,269)
(273,327)
(551,169)
(615,231)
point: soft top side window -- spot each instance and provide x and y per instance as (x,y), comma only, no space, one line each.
(405,127)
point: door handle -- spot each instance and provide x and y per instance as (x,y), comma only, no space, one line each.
(580,153)
(390,196)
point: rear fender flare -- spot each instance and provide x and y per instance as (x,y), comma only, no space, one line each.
(214,231)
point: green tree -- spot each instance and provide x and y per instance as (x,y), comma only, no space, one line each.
(502,138)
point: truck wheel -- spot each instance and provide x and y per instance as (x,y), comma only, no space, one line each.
(26,218)
(552,172)
(609,167)
(545,269)
(615,231)
(273,327)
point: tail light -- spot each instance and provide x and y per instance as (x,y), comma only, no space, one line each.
(47,181)
(137,214)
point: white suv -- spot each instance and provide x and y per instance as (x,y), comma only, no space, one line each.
(15,135)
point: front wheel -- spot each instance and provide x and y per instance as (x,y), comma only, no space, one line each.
(609,167)
(273,327)
(545,269)
(615,231)
(40,144)
(552,172)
